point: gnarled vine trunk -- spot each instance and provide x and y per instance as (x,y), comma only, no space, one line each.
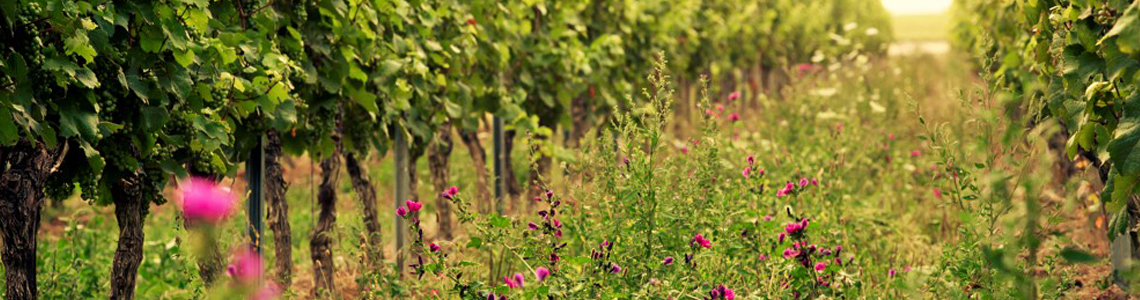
(439,152)
(367,194)
(320,243)
(24,169)
(278,211)
(479,160)
(131,209)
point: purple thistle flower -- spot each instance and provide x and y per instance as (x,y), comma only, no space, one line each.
(541,273)
(668,261)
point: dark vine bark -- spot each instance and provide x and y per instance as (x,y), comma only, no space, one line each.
(320,243)
(439,153)
(131,209)
(362,185)
(579,114)
(24,168)
(479,160)
(513,188)
(278,210)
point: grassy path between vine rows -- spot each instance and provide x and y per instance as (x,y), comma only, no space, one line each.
(864,112)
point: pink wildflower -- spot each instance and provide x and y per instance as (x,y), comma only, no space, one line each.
(541,273)
(413,206)
(245,267)
(204,200)
(702,241)
(402,211)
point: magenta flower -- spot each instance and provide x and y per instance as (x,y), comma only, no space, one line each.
(787,190)
(793,228)
(413,206)
(789,253)
(729,294)
(781,238)
(735,95)
(245,267)
(891,136)
(803,182)
(615,269)
(763,257)
(453,191)
(915,153)
(702,241)
(720,108)
(937,193)
(709,111)
(814,181)
(204,200)
(684,150)
(558,233)
(434,247)
(557,224)
(510,282)
(532,225)
(541,273)
(668,261)
(402,211)
(767,218)
(820,266)
(747,170)
(519,279)
(891,273)
(734,117)
(751,160)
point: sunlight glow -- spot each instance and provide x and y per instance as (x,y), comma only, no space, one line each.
(917,7)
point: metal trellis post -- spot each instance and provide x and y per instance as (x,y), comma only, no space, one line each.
(255,175)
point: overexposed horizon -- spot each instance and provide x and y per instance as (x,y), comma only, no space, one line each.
(917,7)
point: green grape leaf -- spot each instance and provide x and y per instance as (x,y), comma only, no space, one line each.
(77,122)
(93,158)
(8,132)
(1119,224)
(1123,149)
(1127,30)
(80,45)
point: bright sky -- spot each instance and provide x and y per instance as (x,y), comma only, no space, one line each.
(916,7)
